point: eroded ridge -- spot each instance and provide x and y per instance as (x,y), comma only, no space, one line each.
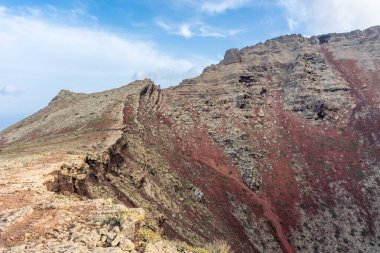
(274,149)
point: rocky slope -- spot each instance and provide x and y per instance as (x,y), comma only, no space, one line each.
(274,149)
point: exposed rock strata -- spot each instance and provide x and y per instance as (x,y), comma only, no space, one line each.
(274,149)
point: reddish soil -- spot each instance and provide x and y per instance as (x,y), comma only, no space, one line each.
(211,155)
(196,158)
(2,142)
(127,114)
(15,235)
(15,200)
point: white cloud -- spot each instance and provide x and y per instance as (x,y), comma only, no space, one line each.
(196,29)
(220,6)
(40,57)
(36,47)
(207,31)
(163,25)
(185,31)
(323,16)
(9,90)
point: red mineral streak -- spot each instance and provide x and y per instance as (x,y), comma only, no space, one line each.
(205,158)
(208,153)
(127,114)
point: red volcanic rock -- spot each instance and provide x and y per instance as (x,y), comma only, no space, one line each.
(274,149)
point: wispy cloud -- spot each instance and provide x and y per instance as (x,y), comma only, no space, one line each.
(163,25)
(323,16)
(220,6)
(40,57)
(196,29)
(207,31)
(185,31)
(9,90)
(72,16)
(33,46)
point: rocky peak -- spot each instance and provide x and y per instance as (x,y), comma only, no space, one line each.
(369,33)
(274,149)
(63,94)
(231,56)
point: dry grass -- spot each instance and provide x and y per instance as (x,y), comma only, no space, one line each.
(148,235)
(193,249)
(218,246)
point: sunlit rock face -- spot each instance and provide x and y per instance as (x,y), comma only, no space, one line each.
(274,149)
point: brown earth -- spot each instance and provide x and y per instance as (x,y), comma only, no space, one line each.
(274,149)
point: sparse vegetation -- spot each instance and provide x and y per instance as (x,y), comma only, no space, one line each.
(148,235)
(192,249)
(218,158)
(218,246)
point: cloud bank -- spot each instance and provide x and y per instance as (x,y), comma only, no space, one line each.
(324,16)
(34,47)
(40,57)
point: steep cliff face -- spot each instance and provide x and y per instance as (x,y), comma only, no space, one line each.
(274,149)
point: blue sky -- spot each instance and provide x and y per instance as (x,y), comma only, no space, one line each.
(94,45)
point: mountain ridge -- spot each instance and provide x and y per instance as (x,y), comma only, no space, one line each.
(276,148)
